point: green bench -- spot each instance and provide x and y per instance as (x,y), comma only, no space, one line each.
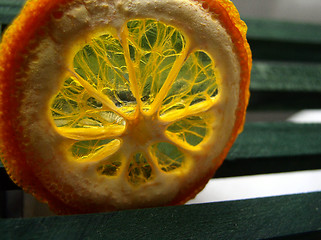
(286,78)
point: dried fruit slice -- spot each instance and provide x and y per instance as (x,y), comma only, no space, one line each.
(118,104)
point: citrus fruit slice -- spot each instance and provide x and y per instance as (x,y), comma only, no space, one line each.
(118,104)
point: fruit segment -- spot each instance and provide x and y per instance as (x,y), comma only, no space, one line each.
(191,130)
(139,171)
(102,64)
(169,157)
(196,82)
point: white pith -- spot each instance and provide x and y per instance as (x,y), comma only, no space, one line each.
(84,19)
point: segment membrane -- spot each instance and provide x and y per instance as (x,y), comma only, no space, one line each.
(139,171)
(168,156)
(85,150)
(112,165)
(195,83)
(191,130)
(73,107)
(154,47)
(102,64)
(65,106)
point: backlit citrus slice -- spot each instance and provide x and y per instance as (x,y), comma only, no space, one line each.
(118,104)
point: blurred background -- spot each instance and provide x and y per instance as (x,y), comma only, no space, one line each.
(307,11)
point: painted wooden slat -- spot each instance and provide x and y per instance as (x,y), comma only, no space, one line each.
(261,29)
(285,217)
(273,147)
(279,139)
(285,86)
(285,76)
(9,10)
(284,41)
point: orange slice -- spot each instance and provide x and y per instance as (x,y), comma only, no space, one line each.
(118,104)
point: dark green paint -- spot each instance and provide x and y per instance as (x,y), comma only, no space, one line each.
(285,76)
(248,219)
